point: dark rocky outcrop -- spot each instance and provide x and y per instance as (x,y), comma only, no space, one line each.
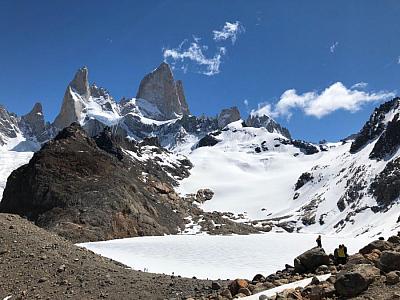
(310,260)
(380,245)
(389,141)
(386,185)
(76,189)
(207,141)
(389,261)
(303,179)
(304,147)
(34,122)
(353,281)
(227,116)
(374,126)
(268,123)
(8,125)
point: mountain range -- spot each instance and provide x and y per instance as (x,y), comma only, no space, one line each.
(145,166)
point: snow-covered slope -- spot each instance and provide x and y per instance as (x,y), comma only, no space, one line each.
(264,178)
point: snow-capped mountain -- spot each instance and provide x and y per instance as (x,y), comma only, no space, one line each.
(257,172)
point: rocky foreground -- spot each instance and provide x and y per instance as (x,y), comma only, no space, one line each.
(37,264)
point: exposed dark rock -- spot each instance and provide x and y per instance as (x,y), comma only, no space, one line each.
(374,126)
(353,281)
(303,179)
(386,185)
(79,191)
(389,261)
(268,123)
(35,123)
(389,141)
(227,116)
(310,260)
(378,244)
(207,141)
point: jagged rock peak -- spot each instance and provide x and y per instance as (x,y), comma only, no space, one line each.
(160,89)
(75,98)
(228,115)
(257,121)
(80,83)
(35,120)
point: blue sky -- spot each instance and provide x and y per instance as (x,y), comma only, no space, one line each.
(282,45)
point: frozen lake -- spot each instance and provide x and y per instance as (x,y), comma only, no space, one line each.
(224,257)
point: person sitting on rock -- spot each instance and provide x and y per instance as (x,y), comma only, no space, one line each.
(335,256)
(342,255)
(319,243)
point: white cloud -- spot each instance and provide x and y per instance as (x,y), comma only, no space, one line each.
(229,31)
(333,47)
(359,85)
(398,60)
(246,102)
(195,52)
(333,98)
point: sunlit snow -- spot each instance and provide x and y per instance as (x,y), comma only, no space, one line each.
(214,257)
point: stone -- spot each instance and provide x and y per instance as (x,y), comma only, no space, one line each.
(389,261)
(258,278)
(237,284)
(392,278)
(215,285)
(227,116)
(263,297)
(378,244)
(226,293)
(353,281)
(245,291)
(310,260)
(394,239)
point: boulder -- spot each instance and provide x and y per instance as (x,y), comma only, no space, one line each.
(207,141)
(392,278)
(237,284)
(389,261)
(378,244)
(356,279)
(395,239)
(310,260)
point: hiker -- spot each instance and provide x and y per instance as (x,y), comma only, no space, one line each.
(335,256)
(342,252)
(319,243)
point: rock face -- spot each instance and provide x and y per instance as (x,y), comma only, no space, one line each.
(74,101)
(310,260)
(8,125)
(86,191)
(389,142)
(389,261)
(159,88)
(386,185)
(268,123)
(352,282)
(374,126)
(228,115)
(36,123)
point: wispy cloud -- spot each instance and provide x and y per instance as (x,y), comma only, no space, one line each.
(333,47)
(333,98)
(398,60)
(195,53)
(229,31)
(359,85)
